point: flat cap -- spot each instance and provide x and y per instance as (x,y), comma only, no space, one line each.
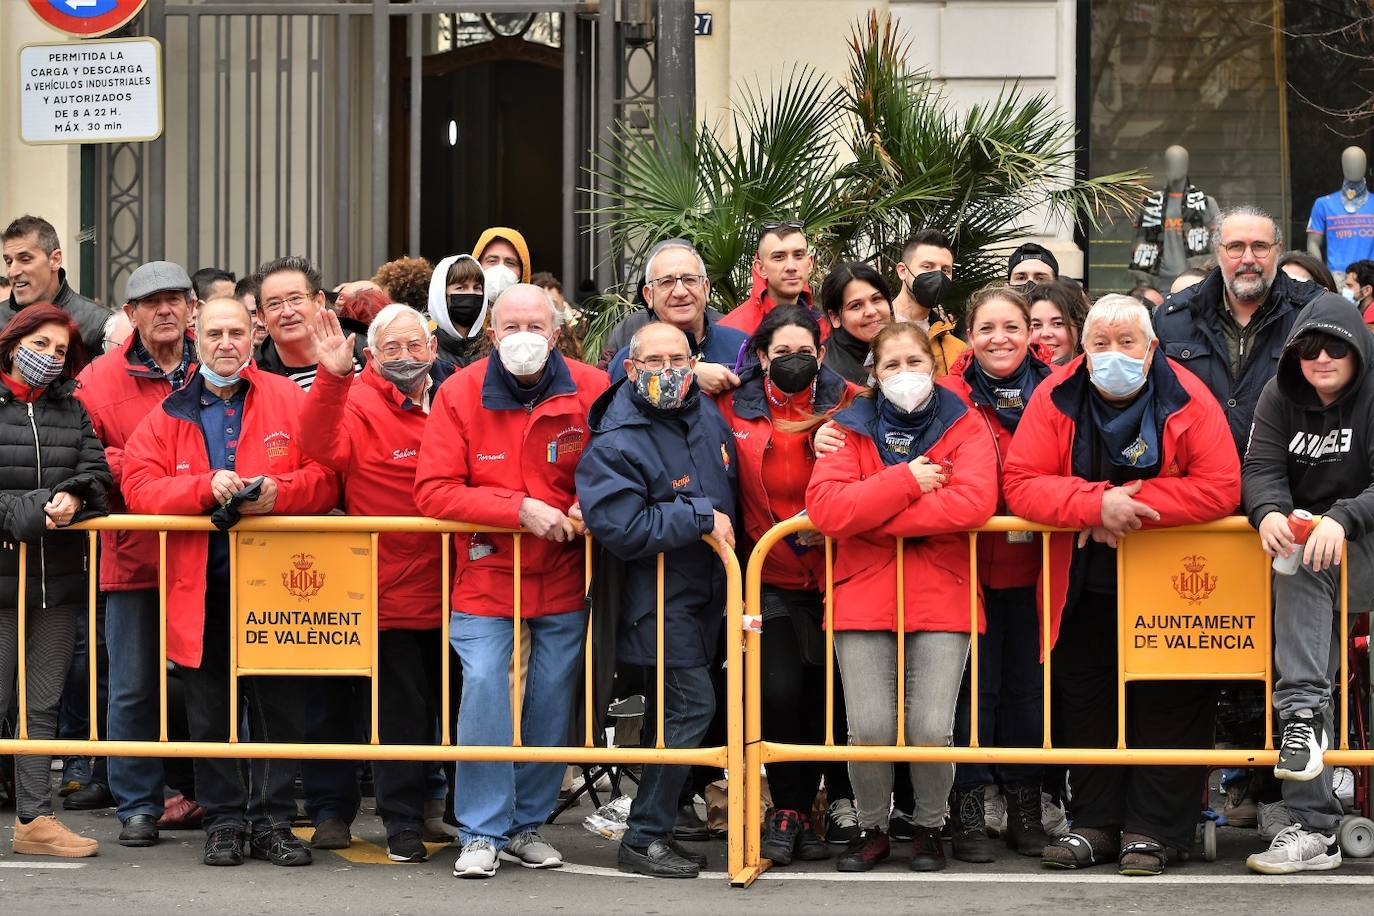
(155,277)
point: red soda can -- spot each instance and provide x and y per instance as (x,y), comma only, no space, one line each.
(1300,523)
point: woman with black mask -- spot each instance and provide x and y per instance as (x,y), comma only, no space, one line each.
(458,306)
(857,303)
(786,389)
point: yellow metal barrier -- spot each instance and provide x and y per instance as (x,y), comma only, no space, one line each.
(728,756)
(758,752)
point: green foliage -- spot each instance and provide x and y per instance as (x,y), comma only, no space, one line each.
(862,165)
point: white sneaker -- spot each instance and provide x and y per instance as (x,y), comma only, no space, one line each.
(1294,850)
(1052,816)
(477,860)
(994,811)
(1343,784)
(530,850)
(1274,818)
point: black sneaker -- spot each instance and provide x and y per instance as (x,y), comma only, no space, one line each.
(280,847)
(406,847)
(927,850)
(780,836)
(869,848)
(810,847)
(224,846)
(842,822)
(968,829)
(1300,753)
(1025,830)
(902,825)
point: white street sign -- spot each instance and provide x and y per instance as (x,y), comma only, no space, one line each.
(102,91)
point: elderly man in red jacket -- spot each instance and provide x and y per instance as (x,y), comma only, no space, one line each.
(119,389)
(1121,438)
(501,447)
(368,430)
(230,428)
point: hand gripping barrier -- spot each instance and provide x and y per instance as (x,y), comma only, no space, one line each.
(1170,580)
(268,550)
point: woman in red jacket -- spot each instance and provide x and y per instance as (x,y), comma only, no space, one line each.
(995,377)
(1119,438)
(784,392)
(917,465)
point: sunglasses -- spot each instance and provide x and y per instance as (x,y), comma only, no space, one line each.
(1312,345)
(792,225)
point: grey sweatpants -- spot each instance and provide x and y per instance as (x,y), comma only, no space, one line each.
(1307,652)
(50,633)
(934,669)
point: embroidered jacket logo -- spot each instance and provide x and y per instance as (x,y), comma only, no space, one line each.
(1315,445)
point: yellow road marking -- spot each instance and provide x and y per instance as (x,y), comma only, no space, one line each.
(362,852)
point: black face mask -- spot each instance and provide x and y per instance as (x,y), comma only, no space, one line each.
(930,288)
(793,371)
(463,308)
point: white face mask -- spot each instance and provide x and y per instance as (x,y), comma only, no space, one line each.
(908,391)
(524,352)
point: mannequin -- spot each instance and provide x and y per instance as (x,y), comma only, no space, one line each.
(1173,230)
(1343,221)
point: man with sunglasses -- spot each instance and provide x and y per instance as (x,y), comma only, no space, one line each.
(1229,329)
(781,270)
(1312,448)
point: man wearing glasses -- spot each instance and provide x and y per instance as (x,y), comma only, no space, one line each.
(1229,329)
(782,268)
(676,290)
(289,298)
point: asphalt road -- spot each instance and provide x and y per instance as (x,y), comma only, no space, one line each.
(169,878)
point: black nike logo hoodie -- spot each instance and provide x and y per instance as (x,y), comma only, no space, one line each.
(1306,455)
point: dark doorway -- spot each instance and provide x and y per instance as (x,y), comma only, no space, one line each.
(492,127)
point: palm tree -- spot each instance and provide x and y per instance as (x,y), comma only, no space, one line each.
(862,165)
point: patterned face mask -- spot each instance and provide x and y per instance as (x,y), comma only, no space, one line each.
(38,369)
(664,388)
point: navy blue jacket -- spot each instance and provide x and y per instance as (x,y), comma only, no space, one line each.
(722,345)
(650,483)
(1188,326)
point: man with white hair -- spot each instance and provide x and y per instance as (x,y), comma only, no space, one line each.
(1118,440)
(1229,329)
(500,449)
(368,430)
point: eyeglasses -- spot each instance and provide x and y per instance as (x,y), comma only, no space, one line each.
(1258,249)
(394,350)
(655,363)
(295,300)
(690,282)
(1310,346)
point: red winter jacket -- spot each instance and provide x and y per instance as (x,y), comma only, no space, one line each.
(167,472)
(749,314)
(369,433)
(1001,564)
(747,412)
(483,453)
(118,391)
(865,504)
(1200,481)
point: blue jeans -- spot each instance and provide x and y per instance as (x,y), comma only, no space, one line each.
(131,626)
(689,702)
(500,800)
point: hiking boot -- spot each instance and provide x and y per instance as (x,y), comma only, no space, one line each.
(406,847)
(1025,832)
(1296,849)
(224,846)
(780,836)
(530,850)
(927,850)
(866,850)
(842,822)
(968,826)
(477,860)
(1300,751)
(47,836)
(279,846)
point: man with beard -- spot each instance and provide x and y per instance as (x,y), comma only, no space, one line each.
(1229,330)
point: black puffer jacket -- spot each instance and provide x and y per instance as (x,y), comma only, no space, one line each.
(47,447)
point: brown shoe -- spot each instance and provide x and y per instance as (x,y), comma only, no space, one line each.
(47,836)
(180,813)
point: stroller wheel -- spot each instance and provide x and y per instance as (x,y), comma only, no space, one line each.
(1209,840)
(1356,836)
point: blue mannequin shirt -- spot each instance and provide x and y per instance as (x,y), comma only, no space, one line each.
(1348,236)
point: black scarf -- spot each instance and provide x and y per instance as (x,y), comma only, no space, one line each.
(1006,396)
(1149,247)
(902,436)
(1129,434)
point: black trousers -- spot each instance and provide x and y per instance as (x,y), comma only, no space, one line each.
(257,794)
(1160,802)
(408,702)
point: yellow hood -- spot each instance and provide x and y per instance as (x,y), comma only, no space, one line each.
(512,236)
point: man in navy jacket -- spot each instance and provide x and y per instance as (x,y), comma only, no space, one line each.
(658,476)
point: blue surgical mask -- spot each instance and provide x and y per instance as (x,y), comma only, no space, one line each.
(1115,374)
(1348,293)
(221,381)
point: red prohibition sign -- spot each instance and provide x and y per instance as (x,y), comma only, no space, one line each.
(86,18)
